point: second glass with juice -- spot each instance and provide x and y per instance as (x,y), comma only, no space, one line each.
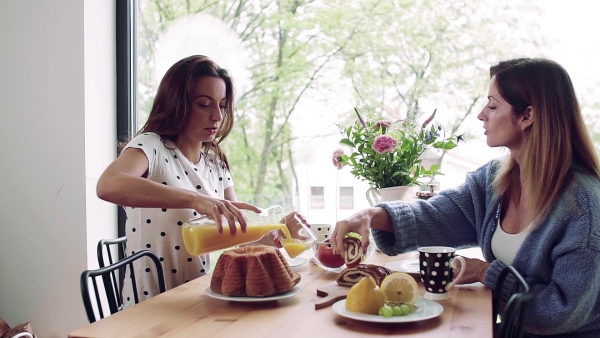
(200,235)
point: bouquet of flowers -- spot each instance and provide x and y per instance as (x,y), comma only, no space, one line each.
(386,155)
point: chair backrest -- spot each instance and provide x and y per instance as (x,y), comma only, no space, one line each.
(105,273)
(106,248)
(105,245)
(511,296)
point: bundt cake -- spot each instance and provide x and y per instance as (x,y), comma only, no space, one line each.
(253,271)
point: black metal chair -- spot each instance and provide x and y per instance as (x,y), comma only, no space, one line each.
(112,299)
(106,248)
(511,296)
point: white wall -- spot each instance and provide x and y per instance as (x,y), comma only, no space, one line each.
(57,106)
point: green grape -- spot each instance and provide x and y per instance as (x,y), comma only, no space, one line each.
(397,311)
(405,309)
(385,311)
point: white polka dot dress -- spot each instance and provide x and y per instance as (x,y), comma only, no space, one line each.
(159,230)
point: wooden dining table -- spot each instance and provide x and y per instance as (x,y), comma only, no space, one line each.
(187,311)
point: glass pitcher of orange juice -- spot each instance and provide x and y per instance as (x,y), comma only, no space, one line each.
(200,235)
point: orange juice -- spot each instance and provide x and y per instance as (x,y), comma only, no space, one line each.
(294,247)
(203,238)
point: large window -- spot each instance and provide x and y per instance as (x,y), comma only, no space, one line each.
(300,67)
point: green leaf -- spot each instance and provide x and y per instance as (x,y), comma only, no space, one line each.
(347,142)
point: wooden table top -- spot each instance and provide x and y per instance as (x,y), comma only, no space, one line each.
(186,311)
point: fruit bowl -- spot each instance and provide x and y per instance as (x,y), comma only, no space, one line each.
(322,254)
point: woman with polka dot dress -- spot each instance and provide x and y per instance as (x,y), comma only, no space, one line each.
(174,169)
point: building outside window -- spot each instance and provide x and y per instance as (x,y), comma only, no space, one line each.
(317,197)
(346,197)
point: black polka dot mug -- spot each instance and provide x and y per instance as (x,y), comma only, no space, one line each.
(436,266)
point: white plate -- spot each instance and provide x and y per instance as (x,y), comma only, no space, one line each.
(294,291)
(410,266)
(292,262)
(425,309)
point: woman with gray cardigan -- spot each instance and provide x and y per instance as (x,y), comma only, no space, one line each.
(537,210)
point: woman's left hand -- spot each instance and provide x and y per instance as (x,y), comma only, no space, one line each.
(292,221)
(475,271)
(273,237)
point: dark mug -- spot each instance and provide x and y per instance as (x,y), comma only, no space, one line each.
(436,265)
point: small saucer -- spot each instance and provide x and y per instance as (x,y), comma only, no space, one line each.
(437,296)
(292,262)
(410,266)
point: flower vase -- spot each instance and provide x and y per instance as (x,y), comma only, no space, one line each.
(375,196)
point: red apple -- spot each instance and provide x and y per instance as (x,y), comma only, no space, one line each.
(327,257)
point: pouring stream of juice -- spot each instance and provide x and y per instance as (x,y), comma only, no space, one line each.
(202,239)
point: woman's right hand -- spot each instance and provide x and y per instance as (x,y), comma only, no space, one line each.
(359,223)
(362,222)
(216,209)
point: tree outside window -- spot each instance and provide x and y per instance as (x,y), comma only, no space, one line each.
(301,66)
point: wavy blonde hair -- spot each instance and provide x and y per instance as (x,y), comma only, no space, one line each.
(556,139)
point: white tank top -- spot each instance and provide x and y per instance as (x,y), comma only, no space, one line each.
(505,245)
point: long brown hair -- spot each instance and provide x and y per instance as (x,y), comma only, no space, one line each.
(556,139)
(171,109)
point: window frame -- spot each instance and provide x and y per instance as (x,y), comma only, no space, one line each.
(126,80)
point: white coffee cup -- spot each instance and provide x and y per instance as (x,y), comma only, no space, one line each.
(323,231)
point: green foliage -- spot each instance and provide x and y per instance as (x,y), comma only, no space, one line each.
(398,53)
(400,166)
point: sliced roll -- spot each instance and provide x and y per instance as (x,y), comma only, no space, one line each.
(353,251)
(351,276)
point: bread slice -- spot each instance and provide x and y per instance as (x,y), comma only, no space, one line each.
(351,276)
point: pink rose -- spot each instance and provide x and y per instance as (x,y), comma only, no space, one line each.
(384,144)
(336,158)
(386,124)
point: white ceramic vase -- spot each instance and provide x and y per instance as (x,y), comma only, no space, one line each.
(375,196)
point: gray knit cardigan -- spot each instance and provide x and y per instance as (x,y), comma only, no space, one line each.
(560,259)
